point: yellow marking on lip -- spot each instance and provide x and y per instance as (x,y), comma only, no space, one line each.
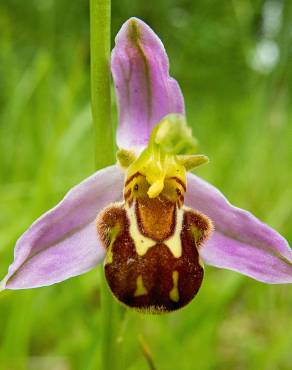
(109,256)
(113,233)
(174,242)
(140,290)
(197,233)
(142,243)
(174,294)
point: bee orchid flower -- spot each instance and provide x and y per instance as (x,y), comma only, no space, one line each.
(151,222)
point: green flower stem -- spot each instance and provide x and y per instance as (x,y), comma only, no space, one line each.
(104,154)
(100,19)
(109,328)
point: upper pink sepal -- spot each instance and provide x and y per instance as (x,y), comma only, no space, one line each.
(63,242)
(145,91)
(240,241)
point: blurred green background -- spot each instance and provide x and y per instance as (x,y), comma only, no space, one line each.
(233,61)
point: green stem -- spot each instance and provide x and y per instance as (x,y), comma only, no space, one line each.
(109,328)
(104,153)
(100,19)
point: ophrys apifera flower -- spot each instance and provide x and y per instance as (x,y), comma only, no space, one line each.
(151,222)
